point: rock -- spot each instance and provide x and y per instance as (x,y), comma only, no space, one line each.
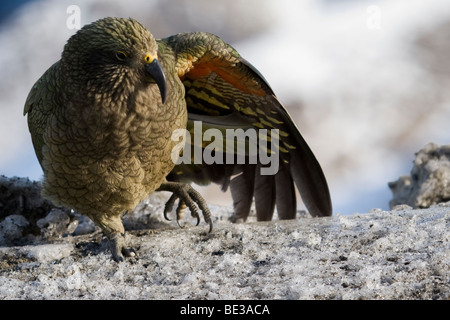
(22,196)
(12,227)
(20,201)
(57,223)
(429,181)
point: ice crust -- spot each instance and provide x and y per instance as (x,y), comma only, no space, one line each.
(400,254)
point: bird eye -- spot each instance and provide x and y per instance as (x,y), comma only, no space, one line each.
(120,55)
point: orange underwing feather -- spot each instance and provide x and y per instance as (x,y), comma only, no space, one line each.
(233,76)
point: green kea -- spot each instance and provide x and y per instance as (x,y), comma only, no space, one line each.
(102,118)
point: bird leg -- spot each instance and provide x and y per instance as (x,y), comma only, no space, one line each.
(117,245)
(112,227)
(188,197)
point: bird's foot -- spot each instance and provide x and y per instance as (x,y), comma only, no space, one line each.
(118,248)
(188,198)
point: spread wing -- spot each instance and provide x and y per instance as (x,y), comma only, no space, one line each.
(224,91)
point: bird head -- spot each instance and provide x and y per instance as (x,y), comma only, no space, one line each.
(112,56)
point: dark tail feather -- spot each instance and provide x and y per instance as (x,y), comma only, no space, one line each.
(310,180)
(241,188)
(285,194)
(265,195)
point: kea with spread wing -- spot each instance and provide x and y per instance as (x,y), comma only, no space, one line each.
(102,121)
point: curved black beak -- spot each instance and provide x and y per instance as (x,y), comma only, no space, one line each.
(155,70)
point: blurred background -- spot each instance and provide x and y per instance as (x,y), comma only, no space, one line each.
(367,82)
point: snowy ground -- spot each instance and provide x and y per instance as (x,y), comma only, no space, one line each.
(401,254)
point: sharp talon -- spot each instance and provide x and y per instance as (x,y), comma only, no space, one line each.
(169,206)
(194,213)
(179,224)
(210,226)
(207,217)
(198,221)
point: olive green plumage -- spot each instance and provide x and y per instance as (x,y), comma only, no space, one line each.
(102,117)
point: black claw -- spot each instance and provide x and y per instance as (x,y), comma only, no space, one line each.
(210,226)
(195,214)
(169,206)
(179,224)
(166,217)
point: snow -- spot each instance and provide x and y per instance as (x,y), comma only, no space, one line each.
(401,254)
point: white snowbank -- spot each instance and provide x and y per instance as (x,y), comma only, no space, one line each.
(402,254)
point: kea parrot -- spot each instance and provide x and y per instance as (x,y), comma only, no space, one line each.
(102,118)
